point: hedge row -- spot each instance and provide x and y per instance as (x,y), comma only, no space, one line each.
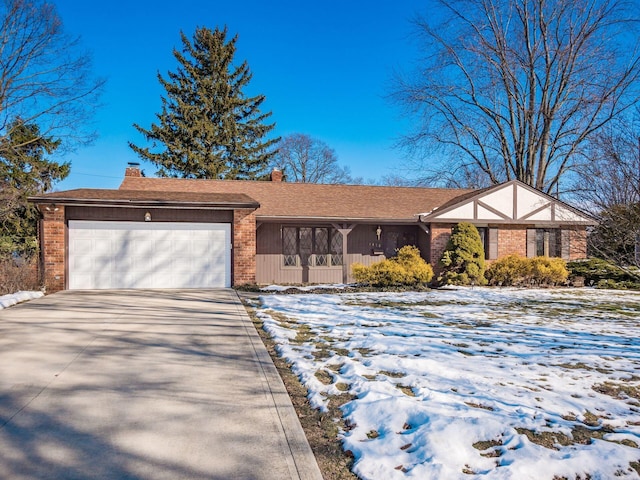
(408,268)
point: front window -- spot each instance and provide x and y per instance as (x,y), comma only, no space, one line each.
(548,242)
(484,238)
(311,246)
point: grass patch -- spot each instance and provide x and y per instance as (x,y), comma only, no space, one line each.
(324,377)
(479,405)
(392,374)
(404,305)
(303,334)
(574,366)
(618,390)
(406,390)
(343,352)
(282,319)
(546,439)
(343,387)
(365,352)
(580,435)
(591,419)
(489,445)
(320,350)
(373,434)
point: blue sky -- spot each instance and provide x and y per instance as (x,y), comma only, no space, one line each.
(325,68)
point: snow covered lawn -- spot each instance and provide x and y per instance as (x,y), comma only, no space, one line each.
(473,383)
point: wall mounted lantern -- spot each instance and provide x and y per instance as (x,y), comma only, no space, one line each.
(147,217)
(378,232)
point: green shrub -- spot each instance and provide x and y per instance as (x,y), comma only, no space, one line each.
(509,270)
(597,271)
(407,268)
(463,258)
(517,270)
(548,271)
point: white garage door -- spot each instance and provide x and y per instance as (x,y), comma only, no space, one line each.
(149,255)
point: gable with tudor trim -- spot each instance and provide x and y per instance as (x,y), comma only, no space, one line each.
(512,203)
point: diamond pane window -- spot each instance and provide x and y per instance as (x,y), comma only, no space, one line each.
(313,246)
(290,246)
(336,247)
(306,245)
(321,260)
(321,240)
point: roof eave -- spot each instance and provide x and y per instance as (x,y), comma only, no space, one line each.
(92,202)
(510,222)
(363,220)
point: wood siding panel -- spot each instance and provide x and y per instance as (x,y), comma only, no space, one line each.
(325,275)
(157,214)
(493,243)
(531,242)
(361,243)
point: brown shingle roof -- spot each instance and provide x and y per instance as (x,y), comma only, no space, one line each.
(91,196)
(300,200)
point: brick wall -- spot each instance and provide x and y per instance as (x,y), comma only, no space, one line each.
(512,240)
(53,247)
(440,235)
(578,243)
(244,246)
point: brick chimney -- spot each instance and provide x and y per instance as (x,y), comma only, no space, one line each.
(276,175)
(133,170)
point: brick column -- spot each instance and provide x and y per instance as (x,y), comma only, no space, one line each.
(244,246)
(440,235)
(53,247)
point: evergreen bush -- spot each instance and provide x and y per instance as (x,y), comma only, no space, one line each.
(407,268)
(463,258)
(597,270)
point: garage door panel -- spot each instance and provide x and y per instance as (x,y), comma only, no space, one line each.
(149,255)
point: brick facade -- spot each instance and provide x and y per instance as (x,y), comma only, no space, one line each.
(244,246)
(512,240)
(53,248)
(578,243)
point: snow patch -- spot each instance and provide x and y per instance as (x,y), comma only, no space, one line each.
(18,297)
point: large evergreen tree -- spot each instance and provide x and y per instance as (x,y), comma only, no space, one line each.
(208,127)
(24,171)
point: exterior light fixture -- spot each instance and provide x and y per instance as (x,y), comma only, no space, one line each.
(147,217)
(378,232)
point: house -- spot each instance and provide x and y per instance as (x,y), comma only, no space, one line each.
(181,233)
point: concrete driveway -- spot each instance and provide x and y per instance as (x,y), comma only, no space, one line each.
(143,385)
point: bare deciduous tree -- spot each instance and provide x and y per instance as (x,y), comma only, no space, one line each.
(308,160)
(609,185)
(511,89)
(45,79)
